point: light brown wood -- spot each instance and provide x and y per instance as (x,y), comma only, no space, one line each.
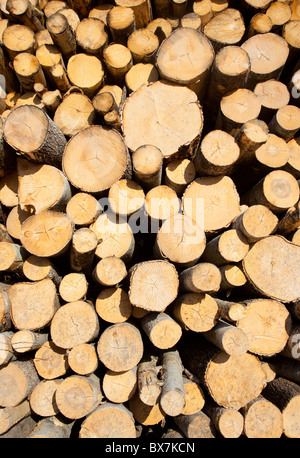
(139,74)
(286,122)
(161,203)
(204,9)
(126,197)
(126,343)
(230,246)
(73,287)
(42,398)
(91,36)
(280,13)
(53,6)
(101,11)
(196,426)
(256,223)
(5,316)
(118,60)
(82,251)
(36,268)
(91,79)
(161,329)
(50,361)
(230,311)
(52,428)
(12,256)
(229,422)
(23,341)
(119,387)
(143,44)
(290,221)
(292,166)
(110,271)
(18,38)
(74,113)
(232,340)
(232,276)
(197,312)
(161,27)
(28,71)
(148,384)
(18,378)
(121,23)
(83,359)
(9,416)
(109,420)
(48,56)
(62,34)
(6,349)
(83,208)
(147,166)
(194,397)
(60,77)
(9,189)
(113,305)
(172,398)
(273,95)
(226,28)
(74,323)
(262,419)
(204,277)
(179,174)
(142,11)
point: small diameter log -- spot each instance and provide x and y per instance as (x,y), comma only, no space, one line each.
(226,28)
(83,359)
(285,395)
(172,398)
(42,398)
(192,71)
(290,221)
(180,240)
(78,395)
(83,208)
(278,191)
(263,419)
(75,113)
(273,274)
(237,108)
(103,103)
(119,387)
(109,420)
(28,71)
(51,428)
(227,378)
(204,9)
(5,316)
(118,60)
(217,155)
(259,23)
(149,386)
(230,246)
(93,177)
(43,37)
(29,98)
(197,312)
(110,271)
(267,367)
(256,223)
(229,422)
(115,237)
(50,361)
(48,56)
(142,11)
(12,256)
(194,397)
(60,78)
(91,36)
(74,323)
(218,5)
(268,54)
(71,16)
(196,426)
(91,80)
(6,349)
(4,234)
(213,202)
(51,100)
(18,378)
(36,269)
(24,341)
(126,197)
(161,203)
(9,189)
(18,38)
(231,339)
(161,329)
(120,347)
(286,122)
(139,74)
(113,305)
(273,95)
(54,193)
(62,34)
(267,324)
(73,287)
(161,27)
(14,221)
(24,296)
(192,20)
(143,44)
(9,416)
(179,174)
(147,166)
(31,132)
(280,13)
(230,311)
(121,23)
(204,277)
(153,285)
(53,6)
(179,141)
(101,12)
(83,247)
(47,234)
(293,164)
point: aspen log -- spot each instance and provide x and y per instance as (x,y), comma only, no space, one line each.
(226,28)
(91,36)
(273,95)
(31,132)
(118,60)
(161,27)
(204,9)
(74,113)
(231,339)
(74,323)
(148,384)
(230,311)
(161,329)
(50,361)
(286,122)
(23,341)
(18,378)
(9,189)
(197,312)
(110,271)
(119,387)
(82,251)
(147,166)
(126,197)
(53,6)
(113,305)
(292,166)
(143,45)
(62,34)
(179,174)
(172,398)
(127,347)
(28,71)
(48,56)
(36,268)
(227,421)
(71,16)
(60,77)
(9,416)
(83,208)
(194,397)
(73,287)
(280,13)
(6,349)
(259,23)
(5,307)
(139,74)
(91,80)
(12,256)
(18,38)
(52,428)
(83,359)
(204,277)
(256,223)
(230,246)
(290,221)
(263,419)
(196,426)
(121,23)
(42,398)
(142,11)
(21,430)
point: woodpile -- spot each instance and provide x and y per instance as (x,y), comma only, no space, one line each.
(149,219)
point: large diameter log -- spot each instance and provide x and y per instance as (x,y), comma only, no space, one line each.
(197,312)
(256,223)
(9,416)
(91,80)
(267,324)
(232,381)
(47,234)
(75,112)
(24,298)
(226,28)
(172,398)
(108,420)
(18,378)
(54,193)
(286,396)
(119,387)
(162,111)
(161,329)
(31,132)
(120,347)
(271,267)
(204,277)
(153,285)
(51,362)
(18,38)
(263,419)
(88,151)
(42,398)
(213,202)
(180,64)
(74,323)
(268,54)
(91,36)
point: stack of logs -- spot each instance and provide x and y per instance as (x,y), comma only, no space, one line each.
(150,219)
